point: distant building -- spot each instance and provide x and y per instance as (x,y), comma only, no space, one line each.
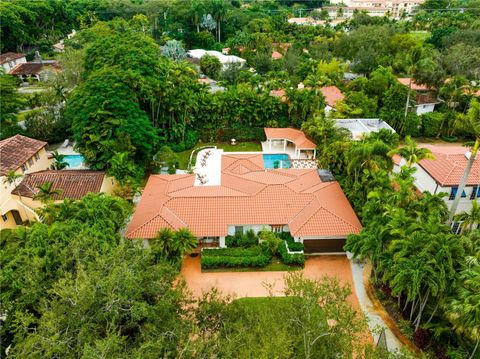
(9,60)
(360,127)
(333,96)
(308,21)
(390,8)
(225,60)
(443,174)
(425,97)
(39,71)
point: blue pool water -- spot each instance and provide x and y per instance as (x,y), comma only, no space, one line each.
(74,161)
(276,160)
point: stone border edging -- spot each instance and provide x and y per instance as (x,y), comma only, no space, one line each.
(381,311)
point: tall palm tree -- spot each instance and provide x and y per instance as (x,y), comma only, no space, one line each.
(472,122)
(46,192)
(59,162)
(197,10)
(412,153)
(469,219)
(219,10)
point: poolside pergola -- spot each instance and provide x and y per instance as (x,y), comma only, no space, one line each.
(292,135)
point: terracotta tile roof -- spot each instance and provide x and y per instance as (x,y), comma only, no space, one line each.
(295,197)
(10,56)
(449,164)
(32,68)
(16,150)
(332,95)
(281,93)
(293,135)
(74,184)
(276,55)
(411,82)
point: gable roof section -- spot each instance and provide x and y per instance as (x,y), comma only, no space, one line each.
(412,84)
(292,134)
(332,95)
(16,150)
(449,164)
(10,56)
(73,184)
(295,197)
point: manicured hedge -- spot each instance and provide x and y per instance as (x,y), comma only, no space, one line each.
(290,258)
(234,257)
(292,245)
(242,240)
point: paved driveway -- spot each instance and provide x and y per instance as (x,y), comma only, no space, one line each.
(254,284)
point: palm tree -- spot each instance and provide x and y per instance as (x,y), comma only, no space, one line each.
(185,241)
(469,219)
(463,310)
(197,11)
(472,122)
(219,10)
(412,153)
(12,178)
(59,162)
(46,192)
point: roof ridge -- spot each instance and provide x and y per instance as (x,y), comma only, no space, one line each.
(301,211)
(173,213)
(341,218)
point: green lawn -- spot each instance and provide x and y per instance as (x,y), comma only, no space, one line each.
(183,157)
(421,35)
(275,266)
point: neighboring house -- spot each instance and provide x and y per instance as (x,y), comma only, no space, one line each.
(225,60)
(332,95)
(390,8)
(73,184)
(36,70)
(359,127)
(425,97)
(280,93)
(291,141)
(22,155)
(304,202)
(443,174)
(60,46)
(9,60)
(276,55)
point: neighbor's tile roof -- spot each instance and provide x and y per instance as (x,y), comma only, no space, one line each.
(332,95)
(33,68)
(293,135)
(413,85)
(16,150)
(281,93)
(449,164)
(73,184)
(10,56)
(298,198)
(276,55)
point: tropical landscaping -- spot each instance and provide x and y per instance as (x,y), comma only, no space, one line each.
(132,101)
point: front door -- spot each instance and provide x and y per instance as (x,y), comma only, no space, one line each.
(17,217)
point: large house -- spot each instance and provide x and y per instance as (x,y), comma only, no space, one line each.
(359,127)
(443,174)
(20,155)
(28,159)
(196,54)
(241,191)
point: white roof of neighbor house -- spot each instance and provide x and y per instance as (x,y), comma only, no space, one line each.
(224,59)
(361,126)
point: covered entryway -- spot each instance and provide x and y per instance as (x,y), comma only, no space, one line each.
(331,245)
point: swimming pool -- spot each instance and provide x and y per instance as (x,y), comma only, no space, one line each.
(276,160)
(74,161)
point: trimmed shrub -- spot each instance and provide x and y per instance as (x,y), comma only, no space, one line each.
(287,258)
(242,240)
(234,257)
(292,245)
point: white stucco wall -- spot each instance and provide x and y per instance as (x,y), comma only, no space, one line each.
(255,227)
(421,109)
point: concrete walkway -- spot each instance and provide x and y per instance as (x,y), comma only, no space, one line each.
(375,322)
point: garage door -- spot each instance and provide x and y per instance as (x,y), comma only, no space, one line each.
(323,245)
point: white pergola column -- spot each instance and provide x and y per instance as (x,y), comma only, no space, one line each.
(221,242)
(270,144)
(314,153)
(284,145)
